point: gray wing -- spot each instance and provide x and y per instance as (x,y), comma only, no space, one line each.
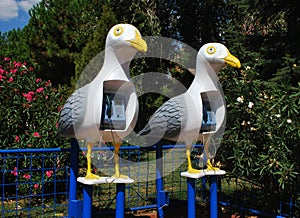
(166,121)
(73,112)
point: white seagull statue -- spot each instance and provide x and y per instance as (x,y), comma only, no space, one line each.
(180,118)
(83,112)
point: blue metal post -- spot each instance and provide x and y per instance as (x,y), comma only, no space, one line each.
(74,158)
(159,180)
(213,197)
(120,200)
(191,197)
(87,201)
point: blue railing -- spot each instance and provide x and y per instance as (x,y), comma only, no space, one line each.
(35,182)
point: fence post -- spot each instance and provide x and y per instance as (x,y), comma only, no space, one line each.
(120,200)
(74,159)
(87,201)
(191,197)
(159,180)
(213,197)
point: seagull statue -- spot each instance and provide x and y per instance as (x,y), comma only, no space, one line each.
(180,118)
(84,111)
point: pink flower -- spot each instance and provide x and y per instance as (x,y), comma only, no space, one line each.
(38,80)
(14,70)
(31,69)
(1,71)
(27,96)
(39,90)
(7,59)
(17,64)
(2,77)
(48,83)
(15,171)
(17,138)
(26,176)
(36,186)
(11,79)
(36,134)
(49,173)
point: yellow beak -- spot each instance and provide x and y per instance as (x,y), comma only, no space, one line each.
(138,43)
(232,60)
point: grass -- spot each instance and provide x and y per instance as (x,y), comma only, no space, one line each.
(34,208)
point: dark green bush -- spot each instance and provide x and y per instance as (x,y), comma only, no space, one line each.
(29,108)
(29,113)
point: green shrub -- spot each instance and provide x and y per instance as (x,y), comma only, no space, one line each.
(29,108)
(262,131)
(29,113)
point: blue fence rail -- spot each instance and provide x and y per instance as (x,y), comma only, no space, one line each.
(35,182)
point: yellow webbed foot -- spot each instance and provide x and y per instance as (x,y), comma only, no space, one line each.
(117,176)
(193,171)
(211,167)
(91,176)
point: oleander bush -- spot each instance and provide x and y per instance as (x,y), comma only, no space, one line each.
(262,130)
(29,113)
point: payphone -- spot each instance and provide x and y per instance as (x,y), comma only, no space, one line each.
(209,116)
(113,111)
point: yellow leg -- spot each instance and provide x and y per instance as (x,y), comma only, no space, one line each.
(210,166)
(116,159)
(89,174)
(188,155)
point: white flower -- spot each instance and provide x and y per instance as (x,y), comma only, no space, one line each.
(289,121)
(240,99)
(248,68)
(253,129)
(277,115)
(250,104)
(243,123)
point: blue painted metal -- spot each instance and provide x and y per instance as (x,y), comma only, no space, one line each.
(191,183)
(10,158)
(159,181)
(164,198)
(143,207)
(87,201)
(76,211)
(120,200)
(32,150)
(252,211)
(213,197)
(27,174)
(74,160)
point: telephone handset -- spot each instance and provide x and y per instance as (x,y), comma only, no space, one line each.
(209,116)
(113,111)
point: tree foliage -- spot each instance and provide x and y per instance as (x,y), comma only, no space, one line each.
(262,131)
